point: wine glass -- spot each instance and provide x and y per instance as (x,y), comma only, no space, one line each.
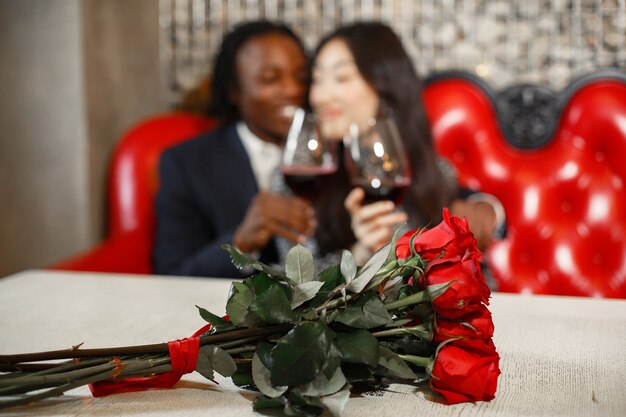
(306,156)
(377,160)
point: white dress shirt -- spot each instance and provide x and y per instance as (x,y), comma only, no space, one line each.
(264,156)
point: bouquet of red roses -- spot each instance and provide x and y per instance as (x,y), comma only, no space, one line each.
(305,341)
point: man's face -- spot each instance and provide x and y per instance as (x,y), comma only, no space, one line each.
(271,71)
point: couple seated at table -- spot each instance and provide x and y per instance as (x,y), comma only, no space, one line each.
(552,158)
(224,187)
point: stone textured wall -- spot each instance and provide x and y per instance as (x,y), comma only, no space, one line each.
(507,42)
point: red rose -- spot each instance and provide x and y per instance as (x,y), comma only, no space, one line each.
(475,325)
(466,370)
(467,289)
(449,238)
(403,250)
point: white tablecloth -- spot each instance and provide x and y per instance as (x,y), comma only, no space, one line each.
(560,356)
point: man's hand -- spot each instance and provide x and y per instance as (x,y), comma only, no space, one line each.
(274,214)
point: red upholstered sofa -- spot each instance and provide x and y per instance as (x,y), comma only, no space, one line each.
(133,183)
(557,162)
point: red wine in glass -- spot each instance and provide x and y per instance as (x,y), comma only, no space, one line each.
(377,190)
(305,182)
(306,156)
(377,161)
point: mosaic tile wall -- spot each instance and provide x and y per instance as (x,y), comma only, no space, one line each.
(506,42)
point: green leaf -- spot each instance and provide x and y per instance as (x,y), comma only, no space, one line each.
(358,347)
(242,260)
(350,316)
(348,265)
(369,270)
(336,403)
(396,235)
(415,346)
(203,364)
(322,385)
(260,282)
(292,404)
(357,373)
(333,360)
(237,306)
(212,318)
(436,290)
(212,358)
(299,265)
(394,366)
(302,405)
(304,292)
(412,241)
(392,289)
(263,403)
(223,363)
(300,354)
(264,350)
(368,316)
(309,314)
(273,306)
(242,378)
(261,377)
(400,322)
(332,278)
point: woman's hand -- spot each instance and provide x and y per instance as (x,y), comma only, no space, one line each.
(274,214)
(372,224)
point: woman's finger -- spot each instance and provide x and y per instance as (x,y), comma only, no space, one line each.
(354,200)
(373,211)
(377,238)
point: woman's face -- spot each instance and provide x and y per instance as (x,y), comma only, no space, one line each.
(339,94)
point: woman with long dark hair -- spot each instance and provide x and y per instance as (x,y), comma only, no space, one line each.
(360,72)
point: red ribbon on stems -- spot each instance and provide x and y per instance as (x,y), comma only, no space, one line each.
(183,357)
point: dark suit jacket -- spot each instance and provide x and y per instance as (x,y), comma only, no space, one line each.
(206,186)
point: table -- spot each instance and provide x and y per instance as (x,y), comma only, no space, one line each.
(561,356)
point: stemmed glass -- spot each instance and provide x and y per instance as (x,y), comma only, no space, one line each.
(306,156)
(376,160)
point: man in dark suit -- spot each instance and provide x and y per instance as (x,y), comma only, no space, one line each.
(213,187)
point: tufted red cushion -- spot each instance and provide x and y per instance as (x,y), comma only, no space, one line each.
(565,202)
(133,184)
(134,177)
